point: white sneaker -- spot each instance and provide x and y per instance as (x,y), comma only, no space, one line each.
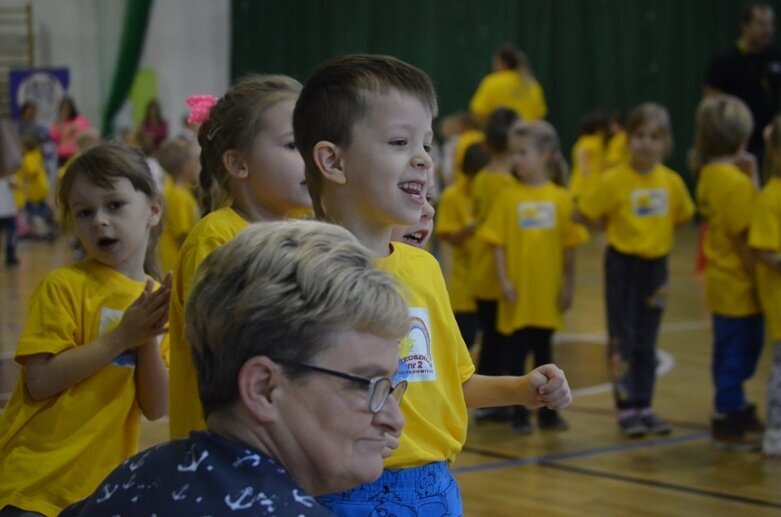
(771,443)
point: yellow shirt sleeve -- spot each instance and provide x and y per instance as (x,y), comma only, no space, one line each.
(684,205)
(596,203)
(52,324)
(765,230)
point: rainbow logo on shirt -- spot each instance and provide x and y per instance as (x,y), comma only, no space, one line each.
(416,361)
(649,202)
(109,320)
(536,215)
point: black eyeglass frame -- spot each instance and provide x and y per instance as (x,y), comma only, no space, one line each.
(400,387)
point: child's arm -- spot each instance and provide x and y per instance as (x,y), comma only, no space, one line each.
(510,294)
(591,224)
(544,386)
(771,258)
(568,285)
(457,238)
(48,375)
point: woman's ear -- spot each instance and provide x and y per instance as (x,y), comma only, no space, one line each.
(235,164)
(329,160)
(259,383)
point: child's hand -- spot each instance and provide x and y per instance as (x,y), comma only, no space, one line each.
(509,292)
(550,387)
(565,298)
(146,317)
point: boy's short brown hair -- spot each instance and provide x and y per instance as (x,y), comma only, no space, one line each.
(651,113)
(336,96)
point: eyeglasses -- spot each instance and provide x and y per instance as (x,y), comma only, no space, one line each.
(379,387)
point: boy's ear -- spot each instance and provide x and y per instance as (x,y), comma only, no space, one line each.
(328,158)
(235,164)
(259,383)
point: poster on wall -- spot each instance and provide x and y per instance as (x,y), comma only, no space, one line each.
(43,86)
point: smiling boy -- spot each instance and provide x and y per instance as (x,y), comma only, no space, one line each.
(363,126)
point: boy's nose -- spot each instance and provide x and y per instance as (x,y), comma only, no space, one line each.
(422,160)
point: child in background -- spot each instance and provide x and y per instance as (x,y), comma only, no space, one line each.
(8,213)
(616,149)
(588,153)
(533,237)
(86,141)
(489,183)
(363,125)
(91,364)
(178,159)
(640,204)
(34,182)
(765,240)
(250,171)
(455,225)
(469,133)
(725,198)
(418,234)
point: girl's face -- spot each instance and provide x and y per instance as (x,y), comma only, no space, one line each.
(113,224)
(647,145)
(274,167)
(528,162)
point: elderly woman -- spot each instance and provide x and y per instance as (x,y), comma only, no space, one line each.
(295,338)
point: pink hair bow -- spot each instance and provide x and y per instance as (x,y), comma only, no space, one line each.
(199,107)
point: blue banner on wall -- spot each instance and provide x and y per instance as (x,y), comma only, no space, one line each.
(43,86)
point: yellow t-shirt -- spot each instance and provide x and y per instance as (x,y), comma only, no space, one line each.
(641,209)
(534,226)
(181,214)
(616,151)
(587,159)
(507,89)
(454,213)
(434,360)
(56,451)
(725,198)
(765,234)
(32,177)
(211,232)
(488,186)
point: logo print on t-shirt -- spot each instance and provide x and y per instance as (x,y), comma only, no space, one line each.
(416,361)
(536,215)
(109,320)
(648,202)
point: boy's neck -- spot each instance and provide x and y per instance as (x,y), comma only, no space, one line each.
(376,238)
(642,168)
(500,163)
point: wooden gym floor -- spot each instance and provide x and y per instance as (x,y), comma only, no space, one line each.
(590,469)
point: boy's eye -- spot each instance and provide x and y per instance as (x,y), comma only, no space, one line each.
(116,205)
(83,213)
(398,142)
(290,146)
(427,148)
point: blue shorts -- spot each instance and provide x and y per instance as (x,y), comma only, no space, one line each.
(429,490)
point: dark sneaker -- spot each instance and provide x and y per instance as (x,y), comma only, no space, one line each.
(655,424)
(12,261)
(751,423)
(728,432)
(632,426)
(550,420)
(520,421)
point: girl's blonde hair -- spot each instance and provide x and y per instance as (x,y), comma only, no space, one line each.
(234,122)
(772,165)
(651,113)
(101,166)
(722,126)
(543,136)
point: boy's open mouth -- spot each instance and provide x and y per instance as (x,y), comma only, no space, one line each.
(414,189)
